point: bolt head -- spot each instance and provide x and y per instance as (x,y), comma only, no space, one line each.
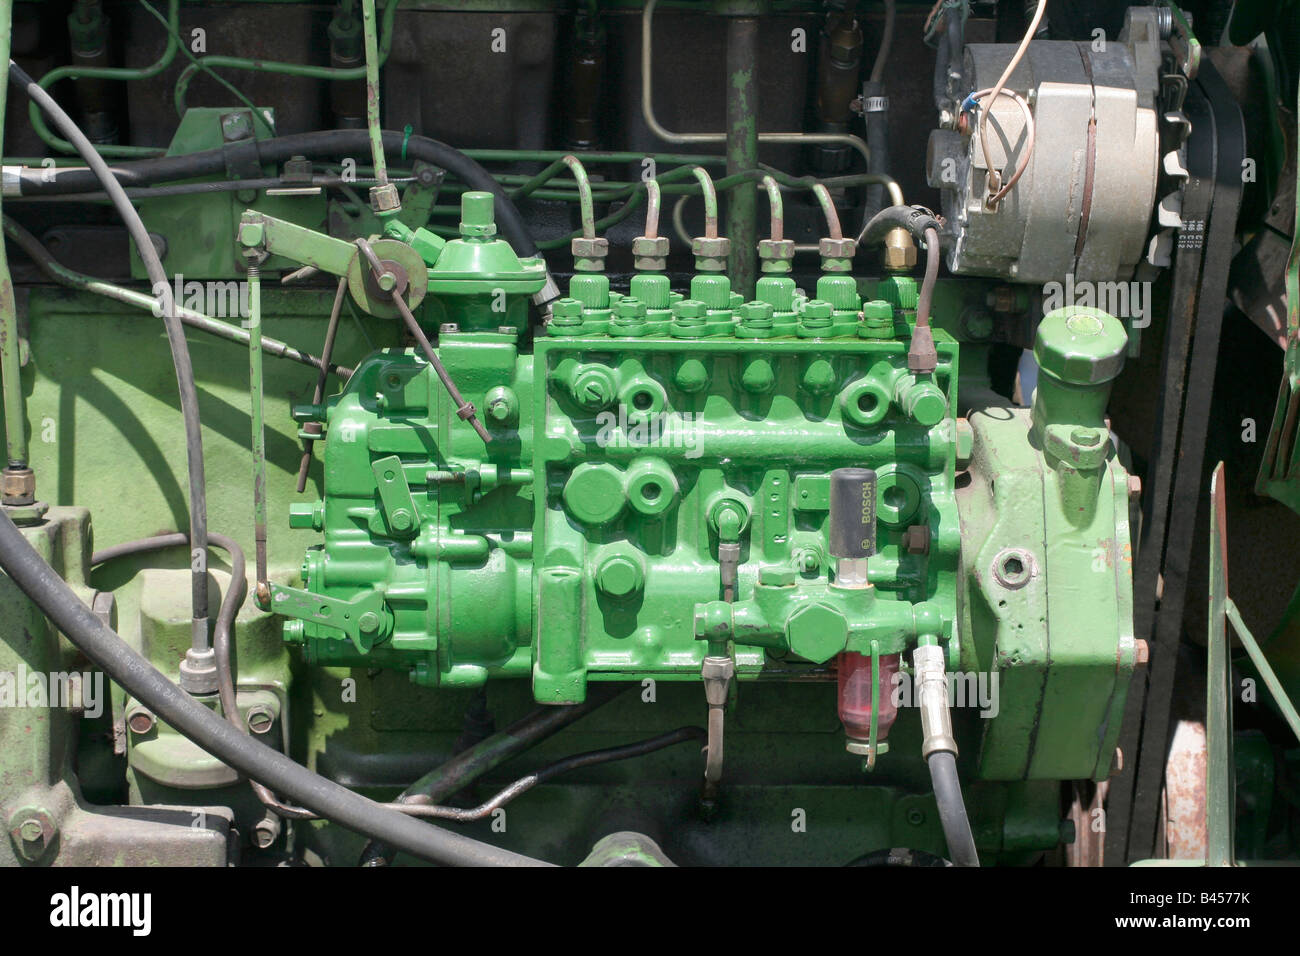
(619,576)
(816,632)
(368,623)
(251,234)
(776,577)
(30,830)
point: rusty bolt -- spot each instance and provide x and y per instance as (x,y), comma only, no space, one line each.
(900,251)
(32,832)
(140,721)
(916,539)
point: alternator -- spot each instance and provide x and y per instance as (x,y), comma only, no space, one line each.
(1084,201)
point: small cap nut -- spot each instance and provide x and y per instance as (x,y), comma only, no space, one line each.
(779,249)
(646,246)
(837,248)
(710,247)
(590,248)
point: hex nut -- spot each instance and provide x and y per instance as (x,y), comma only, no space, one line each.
(900,251)
(647,246)
(816,632)
(781,250)
(18,486)
(837,248)
(589,248)
(916,539)
(711,252)
(385,198)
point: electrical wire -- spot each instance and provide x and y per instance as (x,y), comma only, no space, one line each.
(996,91)
(1025,154)
(189,400)
(886,42)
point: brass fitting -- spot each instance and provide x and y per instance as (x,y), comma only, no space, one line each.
(900,251)
(17,486)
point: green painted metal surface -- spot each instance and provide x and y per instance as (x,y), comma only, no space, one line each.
(635,435)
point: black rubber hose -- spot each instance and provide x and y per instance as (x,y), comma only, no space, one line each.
(876,119)
(939,88)
(189,396)
(467,766)
(525,783)
(323,144)
(952,809)
(915,219)
(214,734)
